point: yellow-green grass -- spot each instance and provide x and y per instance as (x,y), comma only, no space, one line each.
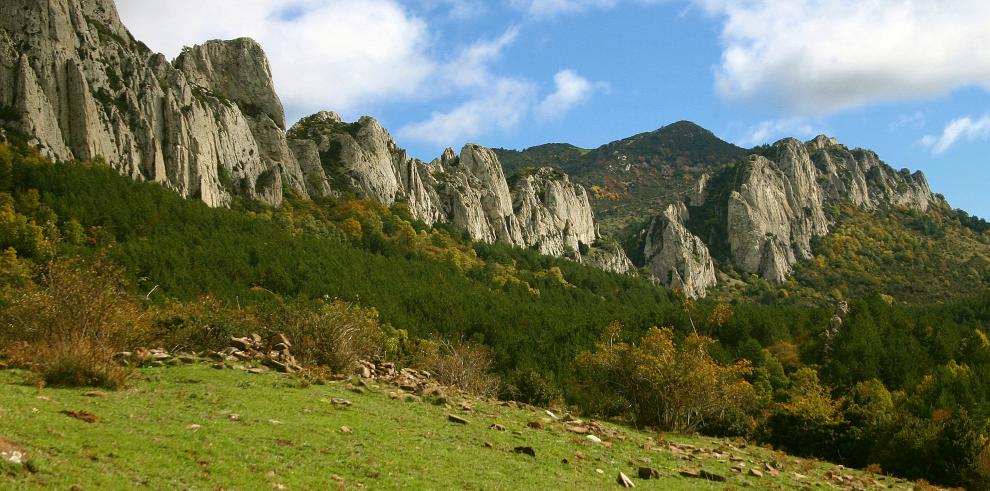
(174,428)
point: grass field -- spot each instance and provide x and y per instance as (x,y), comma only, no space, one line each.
(193,427)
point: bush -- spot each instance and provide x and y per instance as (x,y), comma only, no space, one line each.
(661,384)
(458,364)
(334,334)
(67,329)
(204,324)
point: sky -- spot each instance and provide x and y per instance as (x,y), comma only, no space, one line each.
(906,78)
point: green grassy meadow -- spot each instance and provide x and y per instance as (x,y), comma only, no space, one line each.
(194,427)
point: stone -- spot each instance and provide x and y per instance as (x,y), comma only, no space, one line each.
(648,473)
(95,393)
(525,451)
(456,419)
(755,473)
(12,452)
(624,481)
(82,415)
(579,429)
(340,402)
(345,429)
(593,439)
(496,427)
(536,425)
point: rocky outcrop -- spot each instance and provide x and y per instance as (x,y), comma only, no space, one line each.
(609,256)
(859,177)
(542,210)
(780,203)
(676,257)
(554,214)
(207,126)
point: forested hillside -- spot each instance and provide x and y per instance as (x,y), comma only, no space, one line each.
(874,381)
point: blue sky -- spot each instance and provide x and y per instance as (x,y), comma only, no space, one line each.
(907,78)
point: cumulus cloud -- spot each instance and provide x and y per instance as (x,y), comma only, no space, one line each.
(965,128)
(488,101)
(571,90)
(338,54)
(772,130)
(822,56)
(501,107)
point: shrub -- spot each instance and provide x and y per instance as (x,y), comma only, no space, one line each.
(335,334)
(460,364)
(202,324)
(676,388)
(67,329)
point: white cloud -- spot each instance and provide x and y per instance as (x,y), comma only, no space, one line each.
(914,120)
(338,55)
(965,128)
(571,90)
(821,56)
(546,8)
(772,130)
(501,107)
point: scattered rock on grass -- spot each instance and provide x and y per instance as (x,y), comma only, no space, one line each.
(593,439)
(536,425)
(525,450)
(496,427)
(12,452)
(82,415)
(456,419)
(755,473)
(648,473)
(702,474)
(624,481)
(345,429)
(95,393)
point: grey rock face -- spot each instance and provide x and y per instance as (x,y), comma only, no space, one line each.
(609,257)
(780,204)
(543,210)
(676,257)
(859,177)
(554,214)
(83,88)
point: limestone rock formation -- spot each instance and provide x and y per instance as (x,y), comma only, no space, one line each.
(554,214)
(859,177)
(676,257)
(75,81)
(780,203)
(542,210)
(609,256)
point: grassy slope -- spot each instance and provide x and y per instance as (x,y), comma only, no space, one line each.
(288,437)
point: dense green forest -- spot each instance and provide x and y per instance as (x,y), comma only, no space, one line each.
(902,386)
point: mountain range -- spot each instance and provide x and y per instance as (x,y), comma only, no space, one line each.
(690,210)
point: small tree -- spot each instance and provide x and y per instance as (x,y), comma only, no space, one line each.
(674,387)
(466,366)
(68,328)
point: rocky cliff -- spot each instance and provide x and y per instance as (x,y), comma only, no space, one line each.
(208,125)
(677,257)
(781,200)
(542,209)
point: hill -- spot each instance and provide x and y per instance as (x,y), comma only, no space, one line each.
(637,176)
(194,427)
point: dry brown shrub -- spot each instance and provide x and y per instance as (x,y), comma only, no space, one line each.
(458,364)
(67,328)
(334,334)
